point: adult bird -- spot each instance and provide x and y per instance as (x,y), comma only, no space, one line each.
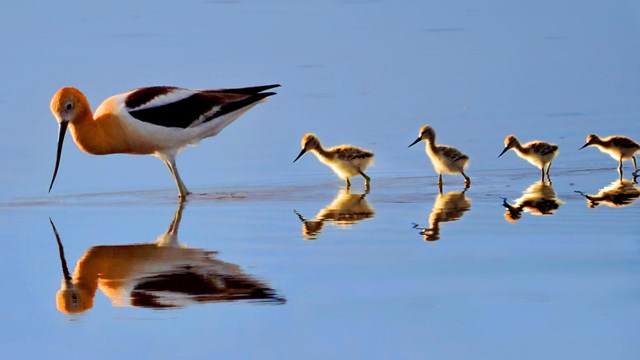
(158,120)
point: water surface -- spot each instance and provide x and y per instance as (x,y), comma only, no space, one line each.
(293,266)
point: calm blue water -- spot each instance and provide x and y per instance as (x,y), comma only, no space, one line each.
(354,278)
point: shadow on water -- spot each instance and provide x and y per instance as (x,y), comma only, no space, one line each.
(160,275)
(447,207)
(345,210)
(538,199)
(619,193)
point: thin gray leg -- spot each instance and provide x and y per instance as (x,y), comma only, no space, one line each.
(620,168)
(467,181)
(182,189)
(367,180)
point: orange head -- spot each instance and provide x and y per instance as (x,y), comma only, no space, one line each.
(68,105)
(70,299)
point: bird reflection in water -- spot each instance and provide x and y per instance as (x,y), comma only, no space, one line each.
(617,194)
(538,199)
(160,275)
(447,207)
(345,210)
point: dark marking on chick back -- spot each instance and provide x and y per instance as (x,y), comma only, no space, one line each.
(623,142)
(363,155)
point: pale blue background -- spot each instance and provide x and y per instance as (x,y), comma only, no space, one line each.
(363,72)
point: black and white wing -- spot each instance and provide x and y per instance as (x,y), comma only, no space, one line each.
(183,108)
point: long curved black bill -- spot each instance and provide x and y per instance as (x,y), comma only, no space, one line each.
(299,155)
(63,261)
(61,132)
(415,142)
(504,151)
(584,146)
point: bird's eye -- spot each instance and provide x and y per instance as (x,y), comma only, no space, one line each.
(69,106)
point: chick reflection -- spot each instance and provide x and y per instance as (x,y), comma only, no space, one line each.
(538,199)
(617,194)
(345,210)
(164,274)
(447,207)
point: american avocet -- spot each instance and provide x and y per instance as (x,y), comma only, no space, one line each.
(538,153)
(345,210)
(158,120)
(447,207)
(619,193)
(538,199)
(164,274)
(618,147)
(445,159)
(344,160)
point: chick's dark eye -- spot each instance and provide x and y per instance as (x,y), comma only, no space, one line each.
(69,106)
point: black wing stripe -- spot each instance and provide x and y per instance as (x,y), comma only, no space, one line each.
(144,95)
(193,285)
(183,113)
(231,107)
(178,114)
(248,90)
